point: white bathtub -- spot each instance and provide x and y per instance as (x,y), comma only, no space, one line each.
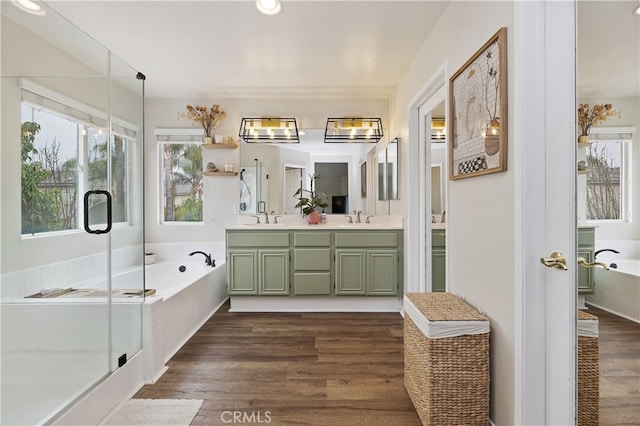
(182,303)
(617,290)
(43,340)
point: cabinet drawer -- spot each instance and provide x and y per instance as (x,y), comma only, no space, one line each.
(257,239)
(366,239)
(312,259)
(312,283)
(438,238)
(586,237)
(312,239)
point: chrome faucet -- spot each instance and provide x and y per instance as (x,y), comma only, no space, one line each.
(207,258)
(368,217)
(257,218)
(266,216)
(350,218)
(275,219)
(357,213)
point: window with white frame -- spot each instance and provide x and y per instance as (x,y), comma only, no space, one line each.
(180,165)
(609,179)
(66,151)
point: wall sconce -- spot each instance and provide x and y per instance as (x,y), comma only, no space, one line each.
(438,130)
(269,130)
(353,130)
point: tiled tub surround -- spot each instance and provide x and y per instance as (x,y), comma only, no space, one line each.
(618,290)
(183,302)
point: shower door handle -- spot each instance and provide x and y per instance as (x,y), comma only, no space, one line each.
(88,195)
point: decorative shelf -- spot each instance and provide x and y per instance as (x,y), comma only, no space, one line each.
(220,173)
(584,144)
(220,145)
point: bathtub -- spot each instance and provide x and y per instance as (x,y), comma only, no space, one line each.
(617,290)
(183,302)
(41,337)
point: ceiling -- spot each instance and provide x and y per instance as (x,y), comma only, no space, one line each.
(209,49)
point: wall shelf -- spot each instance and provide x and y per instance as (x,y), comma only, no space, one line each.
(220,145)
(220,173)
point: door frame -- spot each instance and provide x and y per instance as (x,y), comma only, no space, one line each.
(418,278)
(544,40)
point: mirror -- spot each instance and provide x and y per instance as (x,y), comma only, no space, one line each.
(388,172)
(286,166)
(254,188)
(438,163)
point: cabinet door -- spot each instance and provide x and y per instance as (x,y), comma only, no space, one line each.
(351,272)
(242,272)
(382,272)
(585,275)
(274,272)
(438,269)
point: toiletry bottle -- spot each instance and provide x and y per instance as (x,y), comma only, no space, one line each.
(323,217)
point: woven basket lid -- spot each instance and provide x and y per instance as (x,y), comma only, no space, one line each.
(444,307)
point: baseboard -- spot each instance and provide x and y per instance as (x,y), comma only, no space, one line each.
(315,304)
(611,311)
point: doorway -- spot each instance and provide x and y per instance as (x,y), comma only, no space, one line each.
(334,182)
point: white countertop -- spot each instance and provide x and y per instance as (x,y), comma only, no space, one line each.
(318,227)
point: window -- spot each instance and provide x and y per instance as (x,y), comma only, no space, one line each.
(64,153)
(608,191)
(180,158)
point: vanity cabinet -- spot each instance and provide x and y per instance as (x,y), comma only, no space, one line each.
(586,249)
(258,263)
(311,263)
(367,263)
(438,260)
(314,262)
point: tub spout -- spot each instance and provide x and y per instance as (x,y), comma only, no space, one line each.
(207,258)
(607,249)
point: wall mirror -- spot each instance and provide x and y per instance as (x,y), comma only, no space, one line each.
(283,167)
(388,172)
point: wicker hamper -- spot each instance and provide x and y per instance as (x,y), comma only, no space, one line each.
(446,359)
(588,370)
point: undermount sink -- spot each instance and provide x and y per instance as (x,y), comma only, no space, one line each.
(359,225)
(264,224)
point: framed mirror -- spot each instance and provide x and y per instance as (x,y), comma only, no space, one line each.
(392,170)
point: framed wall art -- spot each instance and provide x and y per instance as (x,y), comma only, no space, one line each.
(478,112)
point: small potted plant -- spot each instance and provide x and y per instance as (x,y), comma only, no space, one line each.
(588,117)
(208,118)
(308,201)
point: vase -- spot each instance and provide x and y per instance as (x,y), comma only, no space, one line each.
(583,139)
(207,140)
(313,218)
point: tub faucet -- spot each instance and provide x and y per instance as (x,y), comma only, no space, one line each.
(207,258)
(600,251)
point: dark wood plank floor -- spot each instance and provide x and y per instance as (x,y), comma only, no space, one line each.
(293,369)
(619,348)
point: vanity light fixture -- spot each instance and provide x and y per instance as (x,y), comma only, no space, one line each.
(353,130)
(269,7)
(269,130)
(29,6)
(438,130)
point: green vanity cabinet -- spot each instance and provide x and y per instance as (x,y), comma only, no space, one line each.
(367,263)
(311,263)
(586,249)
(438,260)
(260,270)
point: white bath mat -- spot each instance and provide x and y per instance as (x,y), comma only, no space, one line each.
(156,412)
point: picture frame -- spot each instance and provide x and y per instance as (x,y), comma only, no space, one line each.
(478,113)
(363,180)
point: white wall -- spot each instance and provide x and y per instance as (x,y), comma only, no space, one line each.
(480,216)
(221,194)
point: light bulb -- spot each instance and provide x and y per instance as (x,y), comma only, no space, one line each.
(268,7)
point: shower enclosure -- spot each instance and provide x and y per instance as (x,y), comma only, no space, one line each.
(71,222)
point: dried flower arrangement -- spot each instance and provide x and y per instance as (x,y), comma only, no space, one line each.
(208,118)
(591,117)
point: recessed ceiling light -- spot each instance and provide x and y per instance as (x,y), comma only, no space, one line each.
(29,7)
(637,10)
(268,7)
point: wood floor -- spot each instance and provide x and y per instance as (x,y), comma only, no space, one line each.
(341,369)
(292,369)
(619,348)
